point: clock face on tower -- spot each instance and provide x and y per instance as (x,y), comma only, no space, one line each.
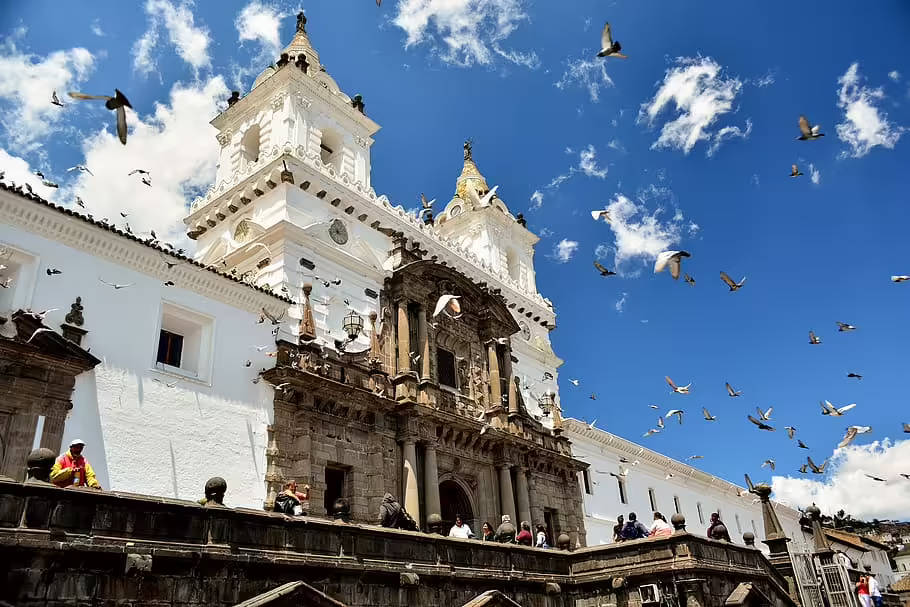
(338,232)
(525,330)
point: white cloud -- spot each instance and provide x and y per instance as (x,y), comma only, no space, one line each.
(190,42)
(26,85)
(864,127)
(96,28)
(464,32)
(261,23)
(545,232)
(174,144)
(603,251)
(536,199)
(616,144)
(564,250)
(700,94)
(17,170)
(894,75)
(729,132)
(755,180)
(693,228)
(620,303)
(587,163)
(639,233)
(814,174)
(847,487)
(587,72)
(766,80)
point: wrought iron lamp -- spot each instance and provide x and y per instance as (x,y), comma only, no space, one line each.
(545,402)
(352,325)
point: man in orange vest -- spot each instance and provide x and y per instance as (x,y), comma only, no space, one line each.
(72,469)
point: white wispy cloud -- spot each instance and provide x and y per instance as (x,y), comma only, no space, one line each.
(864,126)
(620,303)
(464,32)
(587,163)
(814,174)
(178,149)
(729,132)
(261,22)
(603,250)
(616,144)
(766,80)
(564,250)
(700,94)
(894,75)
(190,42)
(536,199)
(847,487)
(639,232)
(96,28)
(587,72)
(27,82)
(545,232)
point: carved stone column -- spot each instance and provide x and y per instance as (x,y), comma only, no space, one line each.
(307,328)
(506,496)
(410,499)
(495,407)
(431,482)
(523,497)
(52,435)
(404,338)
(273,477)
(424,338)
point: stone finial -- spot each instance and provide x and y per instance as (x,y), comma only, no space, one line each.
(301,22)
(375,346)
(520,218)
(283,60)
(215,488)
(301,63)
(468,146)
(39,464)
(749,539)
(357,103)
(775,537)
(409,580)
(75,314)
(307,326)
(434,524)
(234,98)
(820,540)
(678,521)
(563,542)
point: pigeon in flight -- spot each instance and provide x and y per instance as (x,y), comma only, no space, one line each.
(689,280)
(903,278)
(814,339)
(733,393)
(574,382)
(707,414)
(808,133)
(790,431)
(660,422)
(855,375)
(275,320)
(906,427)
(447,304)
(671,258)
(677,412)
(852,432)
(875,478)
(842,326)
(140,171)
(81,168)
(117,287)
(650,432)
(677,389)
(829,409)
(770,463)
(603,271)
(53,271)
(801,444)
(593,396)
(37,331)
(695,457)
(656,407)
(118,103)
(795,172)
(764,415)
(596,215)
(761,425)
(55,99)
(804,469)
(608,48)
(817,469)
(734,286)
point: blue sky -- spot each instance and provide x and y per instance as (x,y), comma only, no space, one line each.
(519,77)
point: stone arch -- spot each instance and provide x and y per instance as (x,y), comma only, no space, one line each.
(456,497)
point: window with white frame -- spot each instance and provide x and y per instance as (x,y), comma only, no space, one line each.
(18,271)
(184,344)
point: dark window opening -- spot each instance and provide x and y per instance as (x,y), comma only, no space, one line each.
(170,348)
(676,504)
(587,478)
(652,499)
(326,148)
(334,486)
(445,368)
(551,522)
(622,490)
(413,341)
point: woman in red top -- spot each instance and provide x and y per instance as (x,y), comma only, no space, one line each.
(524,536)
(862,589)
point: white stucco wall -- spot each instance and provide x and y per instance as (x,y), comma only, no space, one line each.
(141,435)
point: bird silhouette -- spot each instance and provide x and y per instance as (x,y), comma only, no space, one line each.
(673,259)
(808,133)
(734,286)
(609,48)
(118,103)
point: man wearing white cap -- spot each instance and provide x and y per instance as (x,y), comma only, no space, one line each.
(72,469)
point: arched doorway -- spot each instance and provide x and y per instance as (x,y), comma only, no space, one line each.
(453,500)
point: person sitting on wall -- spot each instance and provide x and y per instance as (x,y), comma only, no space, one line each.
(717,530)
(634,529)
(660,527)
(617,529)
(460,529)
(486,533)
(505,533)
(524,536)
(72,469)
(292,502)
(215,488)
(541,537)
(394,516)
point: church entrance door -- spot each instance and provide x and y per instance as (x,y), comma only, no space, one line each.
(453,500)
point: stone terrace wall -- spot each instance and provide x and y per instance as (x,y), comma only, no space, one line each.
(82,547)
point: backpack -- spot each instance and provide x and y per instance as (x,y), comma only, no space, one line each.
(631,531)
(406,522)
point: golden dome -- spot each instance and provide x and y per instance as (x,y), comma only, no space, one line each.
(470,178)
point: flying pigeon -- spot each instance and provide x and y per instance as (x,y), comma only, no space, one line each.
(790,431)
(817,469)
(53,271)
(37,331)
(447,303)
(733,393)
(707,414)
(903,278)
(795,172)
(80,167)
(906,427)
(855,375)
(671,258)
(769,463)
(608,48)
(734,286)
(808,133)
(689,280)
(764,415)
(603,271)
(848,437)
(596,215)
(677,389)
(761,425)
(875,478)
(829,409)
(650,432)
(660,421)
(55,99)
(677,412)
(574,382)
(804,469)
(275,320)
(118,103)
(801,444)
(593,396)
(842,326)
(117,287)
(814,339)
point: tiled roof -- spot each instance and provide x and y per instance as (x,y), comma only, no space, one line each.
(149,242)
